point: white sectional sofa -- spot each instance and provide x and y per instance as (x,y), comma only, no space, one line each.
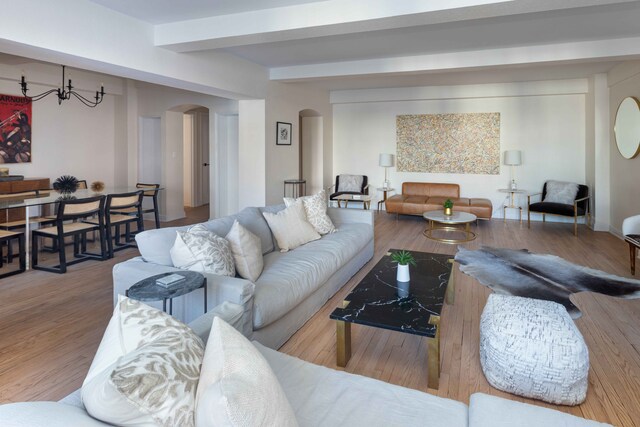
(292,287)
(321,396)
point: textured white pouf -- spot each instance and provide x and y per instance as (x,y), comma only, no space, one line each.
(533,349)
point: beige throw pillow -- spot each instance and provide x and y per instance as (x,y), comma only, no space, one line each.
(199,249)
(237,387)
(290,227)
(316,209)
(146,370)
(246,248)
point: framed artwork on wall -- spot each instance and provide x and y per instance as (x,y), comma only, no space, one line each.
(15,129)
(283,133)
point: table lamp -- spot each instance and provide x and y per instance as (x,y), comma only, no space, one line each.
(386,161)
(513,158)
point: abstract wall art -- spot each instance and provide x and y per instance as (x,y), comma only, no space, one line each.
(463,143)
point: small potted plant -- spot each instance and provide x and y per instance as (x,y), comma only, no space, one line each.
(448,207)
(403,259)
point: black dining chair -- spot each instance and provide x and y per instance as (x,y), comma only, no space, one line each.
(75,210)
(150,192)
(131,202)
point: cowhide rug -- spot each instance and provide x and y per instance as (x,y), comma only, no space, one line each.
(548,277)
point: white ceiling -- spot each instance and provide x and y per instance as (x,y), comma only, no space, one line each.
(590,23)
(162,11)
(352,44)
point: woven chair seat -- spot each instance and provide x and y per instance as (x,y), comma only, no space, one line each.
(114,219)
(22,222)
(4,234)
(67,228)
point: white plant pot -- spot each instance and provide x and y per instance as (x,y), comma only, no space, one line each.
(403,273)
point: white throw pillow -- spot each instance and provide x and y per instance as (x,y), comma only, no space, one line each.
(146,370)
(350,183)
(199,249)
(316,209)
(237,387)
(561,192)
(290,227)
(246,248)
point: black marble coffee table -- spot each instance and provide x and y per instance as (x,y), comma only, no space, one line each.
(148,290)
(412,307)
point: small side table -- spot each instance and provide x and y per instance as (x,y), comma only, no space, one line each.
(298,187)
(511,204)
(148,290)
(384,190)
(346,198)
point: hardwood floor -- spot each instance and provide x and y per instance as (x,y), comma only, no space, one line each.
(609,325)
(51,325)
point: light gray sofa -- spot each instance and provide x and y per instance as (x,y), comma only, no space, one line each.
(321,396)
(292,287)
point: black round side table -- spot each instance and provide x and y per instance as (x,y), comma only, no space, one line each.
(148,290)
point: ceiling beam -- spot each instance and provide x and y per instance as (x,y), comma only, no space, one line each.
(627,48)
(335,17)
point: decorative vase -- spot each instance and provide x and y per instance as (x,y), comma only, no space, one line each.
(403,273)
(448,211)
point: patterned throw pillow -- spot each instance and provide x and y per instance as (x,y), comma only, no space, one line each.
(246,248)
(237,387)
(198,249)
(316,209)
(350,183)
(561,192)
(146,370)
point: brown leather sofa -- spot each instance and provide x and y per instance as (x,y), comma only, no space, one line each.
(420,197)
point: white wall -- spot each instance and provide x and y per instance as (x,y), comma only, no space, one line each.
(227,134)
(283,104)
(69,138)
(154,100)
(312,153)
(187,159)
(623,80)
(252,178)
(549,129)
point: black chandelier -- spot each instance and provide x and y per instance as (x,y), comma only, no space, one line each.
(64,92)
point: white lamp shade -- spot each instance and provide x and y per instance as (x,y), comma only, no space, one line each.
(386,160)
(513,157)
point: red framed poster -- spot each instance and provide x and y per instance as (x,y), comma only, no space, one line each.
(15,129)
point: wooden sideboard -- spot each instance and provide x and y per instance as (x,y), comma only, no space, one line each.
(27,184)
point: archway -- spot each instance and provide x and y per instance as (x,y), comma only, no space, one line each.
(311,155)
(174,151)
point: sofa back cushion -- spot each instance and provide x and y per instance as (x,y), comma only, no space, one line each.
(154,245)
(430,189)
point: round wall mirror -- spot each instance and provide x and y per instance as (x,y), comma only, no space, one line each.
(627,127)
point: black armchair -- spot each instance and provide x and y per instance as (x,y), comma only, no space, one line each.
(580,207)
(364,189)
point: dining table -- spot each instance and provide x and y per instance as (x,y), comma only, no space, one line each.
(34,204)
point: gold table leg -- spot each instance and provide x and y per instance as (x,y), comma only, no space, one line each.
(343,340)
(433,355)
(451,290)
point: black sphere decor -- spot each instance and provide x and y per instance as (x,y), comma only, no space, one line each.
(66,184)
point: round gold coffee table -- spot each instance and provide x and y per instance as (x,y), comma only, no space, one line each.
(437,220)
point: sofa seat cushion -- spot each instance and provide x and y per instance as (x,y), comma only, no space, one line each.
(287,279)
(554,208)
(492,411)
(482,208)
(414,205)
(326,397)
(45,414)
